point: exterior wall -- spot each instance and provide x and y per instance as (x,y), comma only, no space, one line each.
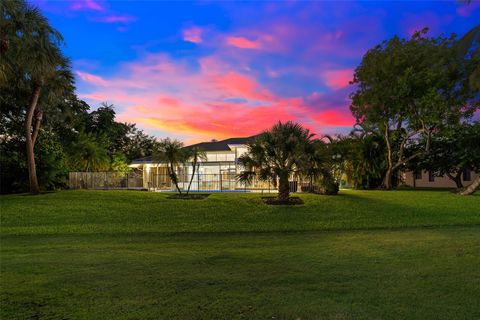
(439,182)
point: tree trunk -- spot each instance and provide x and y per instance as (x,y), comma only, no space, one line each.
(173,177)
(193,175)
(283,188)
(30,139)
(471,188)
(387,180)
(457,179)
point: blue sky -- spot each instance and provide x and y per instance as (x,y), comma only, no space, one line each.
(202,70)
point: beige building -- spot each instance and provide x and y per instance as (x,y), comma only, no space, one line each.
(425,179)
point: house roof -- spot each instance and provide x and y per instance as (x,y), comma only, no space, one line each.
(221,145)
(212,146)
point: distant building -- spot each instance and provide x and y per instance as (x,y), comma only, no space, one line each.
(426,179)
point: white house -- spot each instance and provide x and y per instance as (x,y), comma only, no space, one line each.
(217,173)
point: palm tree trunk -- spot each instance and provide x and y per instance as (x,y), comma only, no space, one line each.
(30,139)
(283,188)
(471,188)
(193,175)
(174,178)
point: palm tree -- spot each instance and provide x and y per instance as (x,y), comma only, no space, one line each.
(195,154)
(320,166)
(32,60)
(276,154)
(172,153)
(361,157)
(88,155)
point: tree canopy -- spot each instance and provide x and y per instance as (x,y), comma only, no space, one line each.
(408,90)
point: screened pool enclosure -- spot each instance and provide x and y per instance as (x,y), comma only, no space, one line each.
(216,173)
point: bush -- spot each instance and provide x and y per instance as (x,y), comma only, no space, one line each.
(327,186)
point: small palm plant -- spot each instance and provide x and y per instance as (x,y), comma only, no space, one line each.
(173,153)
(276,154)
(195,154)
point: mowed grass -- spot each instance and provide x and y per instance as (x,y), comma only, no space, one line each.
(135,211)
(138,255)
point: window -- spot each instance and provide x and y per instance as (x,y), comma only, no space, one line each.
(431,176)
(417,174)
(467,175)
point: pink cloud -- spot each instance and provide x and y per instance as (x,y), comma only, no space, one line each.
(214,100)
(235,84)
(241,42)
(92,79)
(190,102)
(87,5)
(193,34)
(116,19)
(337,79)
(334,117)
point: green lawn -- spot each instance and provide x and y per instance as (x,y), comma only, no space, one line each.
(138,255)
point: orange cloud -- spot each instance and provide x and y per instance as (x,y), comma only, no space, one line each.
(220,121)
(241,42)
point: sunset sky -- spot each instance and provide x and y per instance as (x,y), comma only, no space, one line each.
(202,70)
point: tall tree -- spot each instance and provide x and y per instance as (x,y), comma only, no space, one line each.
(33,62)
(120,137)
(407,90)
(276,153)
(469,45)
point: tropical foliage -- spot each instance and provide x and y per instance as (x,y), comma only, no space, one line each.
(413,102)
(277,154)
(407,90)
(33,65)
(172,153)
(454,151)
(360,157)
